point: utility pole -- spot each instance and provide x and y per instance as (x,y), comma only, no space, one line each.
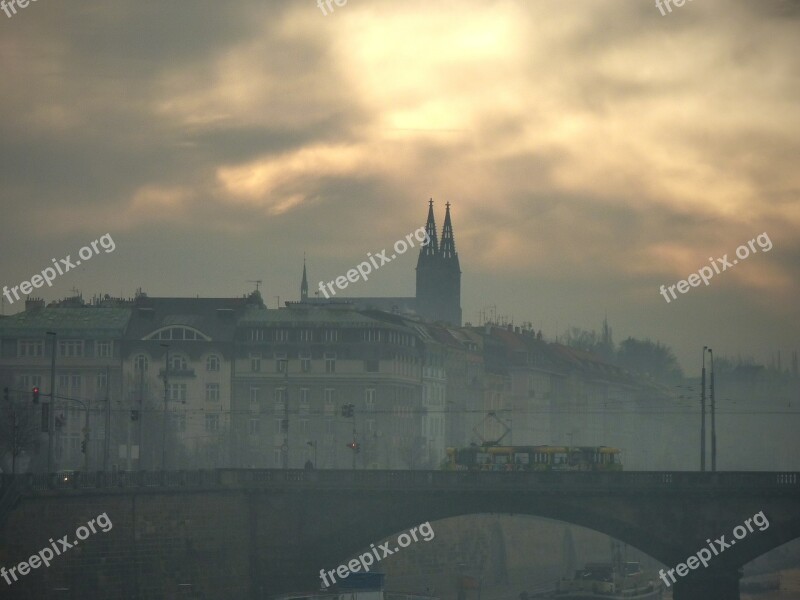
(713,417)
(164,423)
(107,441)
(703,414)
(52,407)
(285,362)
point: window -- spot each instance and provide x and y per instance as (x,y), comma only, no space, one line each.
(371,335)
(140,363)
(212,392)
(28,382)
(103,348)
(331,335)
(281,363)
(179,421)
(371,365)
(254,397)
(369,399)
(256,335)
(330,362)
(330,405)
(177,363)
(370,425)
(212,363)
(305,362)
(31,348)
(177,392)
(304,401)
(255,362)
(306,335)
(280,400)
(254,425)
(281,335)
(212,423)
(304,426)
(278,426)
(101,382)
(70,348)
(330,426)
(63,383)
(76,383)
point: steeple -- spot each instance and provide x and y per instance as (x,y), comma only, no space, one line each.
(448,241)
(432,247)
(304,282)
(439,274)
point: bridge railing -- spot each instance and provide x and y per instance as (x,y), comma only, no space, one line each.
(321,478)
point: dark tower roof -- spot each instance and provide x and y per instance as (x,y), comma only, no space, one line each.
(432,247)
(304,282)
(448,240)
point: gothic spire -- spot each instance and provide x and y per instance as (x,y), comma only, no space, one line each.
(304,282)
(448,241)
(432,247)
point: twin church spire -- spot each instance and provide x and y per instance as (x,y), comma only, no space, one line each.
(438,285)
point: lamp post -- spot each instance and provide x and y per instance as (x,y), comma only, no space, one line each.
(164,421)
(703,414)
(713,417)
(51,408)
(285,423)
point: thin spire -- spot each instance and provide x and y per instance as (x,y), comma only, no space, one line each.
(304,282)
(432,247)
(448,241)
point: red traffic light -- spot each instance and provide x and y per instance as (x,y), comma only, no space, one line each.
(36,394)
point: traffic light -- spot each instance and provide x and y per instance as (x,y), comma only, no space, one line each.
(134,415)
(347,410)
(355,446)
(83,446)
(36,395)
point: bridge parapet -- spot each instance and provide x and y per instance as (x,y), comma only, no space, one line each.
(619,482)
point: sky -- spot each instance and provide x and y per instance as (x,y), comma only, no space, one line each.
(592,151)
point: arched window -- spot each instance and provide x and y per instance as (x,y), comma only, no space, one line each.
(140,363)
(212,363)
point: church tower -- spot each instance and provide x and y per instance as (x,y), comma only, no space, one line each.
(304,283)
(439,274)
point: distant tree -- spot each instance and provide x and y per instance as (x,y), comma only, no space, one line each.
(591,341)
(654,359)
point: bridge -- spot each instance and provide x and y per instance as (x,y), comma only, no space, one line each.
(247,533)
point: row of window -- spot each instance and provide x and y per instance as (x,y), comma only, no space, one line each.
(301,426)
(303,401)
(66,348)
(66,382)
(177,362)
(328,335)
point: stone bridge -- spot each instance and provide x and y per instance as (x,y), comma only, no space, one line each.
(236,533)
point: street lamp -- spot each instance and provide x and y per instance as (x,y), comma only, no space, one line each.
(713,417)
(703,414)
(285,423)
(51,407)
(164,422)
